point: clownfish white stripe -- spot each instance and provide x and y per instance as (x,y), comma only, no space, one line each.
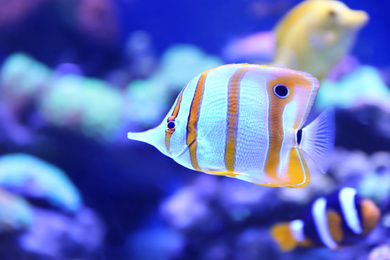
(296,228)
(232,117)
(347,202)
(321,222)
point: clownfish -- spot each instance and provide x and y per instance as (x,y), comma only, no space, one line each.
(342,218)
(246,121)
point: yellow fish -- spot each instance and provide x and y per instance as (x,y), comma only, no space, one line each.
(246,121)
(315,35)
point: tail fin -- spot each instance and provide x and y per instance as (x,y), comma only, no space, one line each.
(318,139)
(282,235)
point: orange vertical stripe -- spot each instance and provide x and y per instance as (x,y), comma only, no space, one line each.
(193,120)
(275,124)
(175,112)
(232,117)
(277,133)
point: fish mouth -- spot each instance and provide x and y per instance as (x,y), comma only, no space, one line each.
(357,19)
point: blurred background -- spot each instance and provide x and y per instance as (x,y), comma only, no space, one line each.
(76,76)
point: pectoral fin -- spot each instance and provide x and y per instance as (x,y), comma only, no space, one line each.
(318,139)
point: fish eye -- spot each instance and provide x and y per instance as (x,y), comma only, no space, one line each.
(171,126)
(281,91)
(332,13)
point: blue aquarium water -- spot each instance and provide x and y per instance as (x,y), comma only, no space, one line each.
(77,76)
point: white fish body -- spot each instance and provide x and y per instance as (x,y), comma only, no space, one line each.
(245,121)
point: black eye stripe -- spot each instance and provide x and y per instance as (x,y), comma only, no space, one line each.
(281,91)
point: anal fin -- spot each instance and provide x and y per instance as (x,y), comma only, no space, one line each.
(294,175)
(221,173)
(297,172)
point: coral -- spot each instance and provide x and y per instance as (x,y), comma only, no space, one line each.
(214,201)
(376,186)
(346,65)
(89,105)
(58,236)
(226,217)
(370,174)
(381,252)
(63,98)
(185,208)
(50,233)
(180,63)
(22,80)
(258,48)
(22,76)
(67,99)
(189,205)
(32,177)
(364,86)
(147,100)
(15,213)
